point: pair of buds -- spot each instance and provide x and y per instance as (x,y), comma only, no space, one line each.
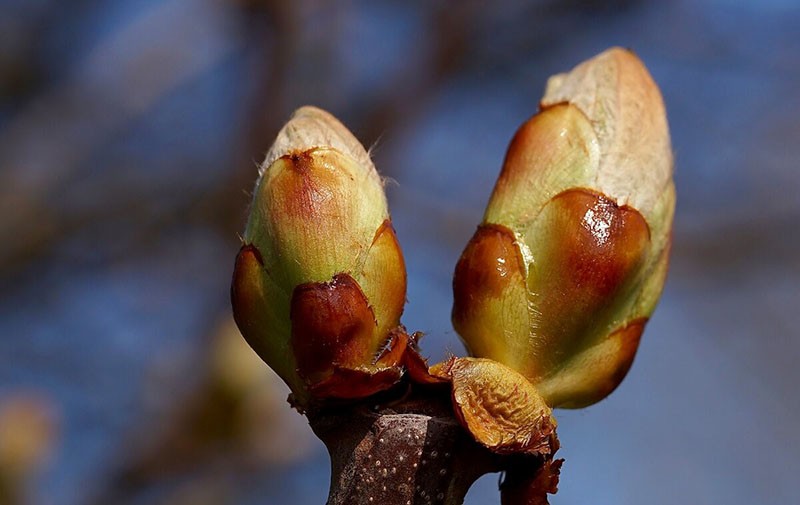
(555,286)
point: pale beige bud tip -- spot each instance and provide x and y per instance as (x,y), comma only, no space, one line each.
(618,96)
(311,127)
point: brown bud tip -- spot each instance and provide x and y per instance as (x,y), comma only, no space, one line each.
(245,289)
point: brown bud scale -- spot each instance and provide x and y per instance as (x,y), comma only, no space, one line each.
(331,325)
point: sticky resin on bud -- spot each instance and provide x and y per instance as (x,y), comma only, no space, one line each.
(560,278)
(319,283)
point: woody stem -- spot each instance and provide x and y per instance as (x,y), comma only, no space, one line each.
(412,450)
(412,453)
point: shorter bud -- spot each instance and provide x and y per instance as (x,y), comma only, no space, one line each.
(319,284)
(559,280)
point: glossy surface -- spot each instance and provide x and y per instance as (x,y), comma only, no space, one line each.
(332,324)
(112,322)
(576,236)
(588,259)
(490,304)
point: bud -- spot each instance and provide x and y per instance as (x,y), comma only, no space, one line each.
(568,264)
(319,284)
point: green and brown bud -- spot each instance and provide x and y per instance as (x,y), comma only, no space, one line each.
(569,262)
(320,283)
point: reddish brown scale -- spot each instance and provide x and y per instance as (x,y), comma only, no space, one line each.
(391,353)
(418,370)
(383,251)
(602,241)
(594,251)
(349,384)
(629,337)
(539,132)
(489,263)
(607,370)
(385,227)
(529,482)
(302,192)
(332,324)
(245,297)
(514,165)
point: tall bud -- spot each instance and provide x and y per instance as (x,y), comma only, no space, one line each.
(320,282)
(568,264)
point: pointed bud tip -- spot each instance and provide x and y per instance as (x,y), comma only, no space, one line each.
(617,94)
(311,127)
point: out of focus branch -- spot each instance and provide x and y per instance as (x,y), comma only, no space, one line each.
(48,143)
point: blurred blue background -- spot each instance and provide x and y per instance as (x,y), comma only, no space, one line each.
(130,133)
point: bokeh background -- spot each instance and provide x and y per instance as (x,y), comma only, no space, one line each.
(130,133)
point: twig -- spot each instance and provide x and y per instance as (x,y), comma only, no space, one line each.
(414,451)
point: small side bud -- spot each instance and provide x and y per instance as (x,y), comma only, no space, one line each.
(559,280)
(320,281)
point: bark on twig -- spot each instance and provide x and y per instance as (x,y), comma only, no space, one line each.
(412,452)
